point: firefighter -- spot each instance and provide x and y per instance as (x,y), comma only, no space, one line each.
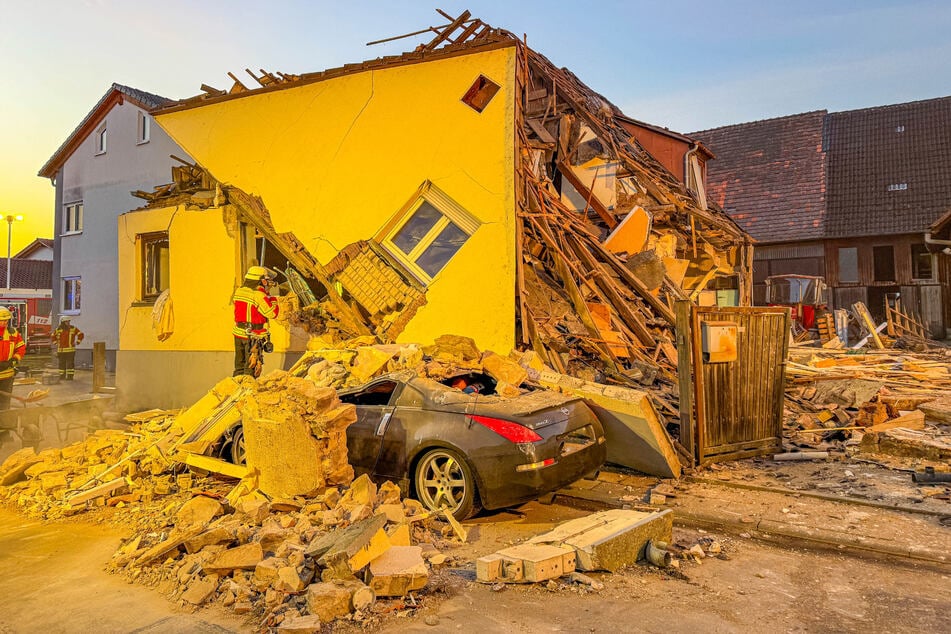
(253,307)
(12,349)
(66,337)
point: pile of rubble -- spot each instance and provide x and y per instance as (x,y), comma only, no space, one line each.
(293,547)
(839,398)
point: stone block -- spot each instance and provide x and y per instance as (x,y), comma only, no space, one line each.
(361,492)
(503,369)
(399,570)
(399,535)
(612,539)
(358,544)
(267,571)
(211,537)
(200,590)
(244,557)
(198,512)
(328,601)
(539,562)
(308,624)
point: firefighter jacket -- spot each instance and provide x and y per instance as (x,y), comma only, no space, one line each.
(252,309)
(11,348)
(67,338)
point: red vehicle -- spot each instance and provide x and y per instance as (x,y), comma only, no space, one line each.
(804,294)
(32,316)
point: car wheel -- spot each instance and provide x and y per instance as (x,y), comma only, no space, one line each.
(237,447)
(443,480)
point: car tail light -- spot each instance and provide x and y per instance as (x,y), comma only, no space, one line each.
(532,466)
(513,432)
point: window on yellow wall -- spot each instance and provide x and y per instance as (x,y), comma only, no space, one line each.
(153,265)
(426,234)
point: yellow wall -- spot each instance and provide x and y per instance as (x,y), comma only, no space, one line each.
(334,160)
(202,260)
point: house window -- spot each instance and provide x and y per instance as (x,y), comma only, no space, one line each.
(922,263)
(144,128)
(153,265)
(428,232)
(848,264)
(480,93)
(101,139)
(883,264)
(71,294)
(695,180)
(73,218)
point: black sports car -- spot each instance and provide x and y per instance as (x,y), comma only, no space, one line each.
(464,450)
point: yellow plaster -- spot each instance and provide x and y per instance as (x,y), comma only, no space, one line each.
(201,281)
(334,160)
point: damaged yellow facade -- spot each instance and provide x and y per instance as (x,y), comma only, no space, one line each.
(344,159)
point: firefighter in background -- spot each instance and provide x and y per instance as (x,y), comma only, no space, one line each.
(66,337)
(12,349)
(254,306)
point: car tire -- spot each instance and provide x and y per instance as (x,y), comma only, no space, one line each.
(443,479)
(236,449)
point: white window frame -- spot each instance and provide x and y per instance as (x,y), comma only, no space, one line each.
(75,211)
(144,128)
(75,307)
(145,240)
(451,212)
(102,140)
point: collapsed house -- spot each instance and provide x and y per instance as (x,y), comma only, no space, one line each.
(506,202)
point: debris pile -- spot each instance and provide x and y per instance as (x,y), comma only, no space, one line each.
(839,398)
(301,545)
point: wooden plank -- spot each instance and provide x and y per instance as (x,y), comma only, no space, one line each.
(862,312)
(540,131)
(216,465)
(685,381)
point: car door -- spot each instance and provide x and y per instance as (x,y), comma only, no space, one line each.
(374,404)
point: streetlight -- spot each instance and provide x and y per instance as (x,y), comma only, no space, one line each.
(10,218)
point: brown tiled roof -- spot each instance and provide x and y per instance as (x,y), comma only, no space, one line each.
(35,274)
(769,175)
(889,168)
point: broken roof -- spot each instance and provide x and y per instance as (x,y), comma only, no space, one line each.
(770,175)
(116,94)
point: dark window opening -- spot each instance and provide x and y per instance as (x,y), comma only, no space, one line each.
(883,264)
(155,264)
(480,93)
(472,383)
(376,394)
(922,263)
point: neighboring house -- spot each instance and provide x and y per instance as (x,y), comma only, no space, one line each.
(39,249)
(850,196)
(29,296)
(115,149)
(414,196)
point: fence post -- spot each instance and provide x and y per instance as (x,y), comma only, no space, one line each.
(98,366)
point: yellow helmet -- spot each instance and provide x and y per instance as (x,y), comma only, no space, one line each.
(256,273)
(5,314)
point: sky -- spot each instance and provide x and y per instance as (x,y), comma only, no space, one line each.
(684,64)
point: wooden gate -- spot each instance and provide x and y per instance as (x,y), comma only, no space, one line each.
(731,401)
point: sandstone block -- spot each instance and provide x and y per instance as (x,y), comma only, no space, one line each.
(309,624)
(16,464)
(244,557)
(397,571)
(200,590)
(198,512)
(328,601)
